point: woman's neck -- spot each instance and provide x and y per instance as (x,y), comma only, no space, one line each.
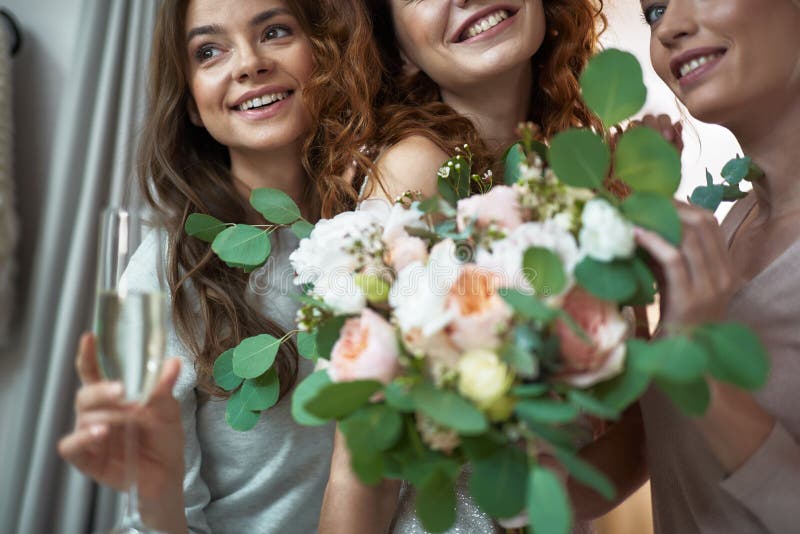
(278,169)
(497,106)
(772,143)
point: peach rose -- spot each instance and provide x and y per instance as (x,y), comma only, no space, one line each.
(366,350)
(479,314)
(499,206)
(405,250)
(585,363)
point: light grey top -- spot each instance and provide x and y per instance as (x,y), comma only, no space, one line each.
(270,479)
(691,492)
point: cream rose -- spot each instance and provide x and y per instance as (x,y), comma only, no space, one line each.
(483,378)
(366,350)
(406,250)
(605,234)
(586,364)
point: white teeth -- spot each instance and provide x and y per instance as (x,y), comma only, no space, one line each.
(689,66)
(265,100)
(486,23)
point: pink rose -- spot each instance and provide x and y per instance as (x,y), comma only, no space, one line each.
(440,353)
(406,250)
(480,315)
(366,350)
(499,206)
(585,364)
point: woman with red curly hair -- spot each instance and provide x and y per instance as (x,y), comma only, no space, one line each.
(496,64)
(244,94)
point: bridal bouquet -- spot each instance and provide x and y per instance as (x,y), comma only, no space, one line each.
(491,324)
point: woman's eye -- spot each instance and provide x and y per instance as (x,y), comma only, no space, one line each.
(653,13)
(276,32)
(204,53)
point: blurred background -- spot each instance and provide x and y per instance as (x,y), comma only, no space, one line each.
(71,100)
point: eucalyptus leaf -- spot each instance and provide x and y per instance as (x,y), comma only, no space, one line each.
(528,306)
(736,170)
(305,391)
(677,358)
(585,473)
(449,409)
(647,162)
(371,429)
(579,158)
(613,86)
(737,356)
(592,405)
(515,156)
(307,345)
(340,399)
(693,398)
(204,227)
(732,193)
(242,245)
(328,334)
(708,196)
(624,389)
(436,502)
(546,411)
(530,390)
(275,205)
(654,212)
(499,480)
(398,397)
(368,467)
(522,361)
(254,355)
(645,284)
(261,393)
(613,281)
(549,508)
(223,372)
(544,271)
(302,228)
(237,415)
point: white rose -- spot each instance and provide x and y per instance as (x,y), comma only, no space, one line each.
(605,234)
(482,377)
(399,219)
(340,293)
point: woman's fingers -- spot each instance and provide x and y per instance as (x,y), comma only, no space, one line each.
(99,395)
(86,360)
(668,258)
(78,447)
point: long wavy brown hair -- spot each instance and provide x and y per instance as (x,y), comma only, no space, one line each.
(573,31)
(183,170)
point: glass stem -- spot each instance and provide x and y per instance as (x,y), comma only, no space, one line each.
(130,509)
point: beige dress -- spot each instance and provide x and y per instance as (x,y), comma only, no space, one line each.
(691,491)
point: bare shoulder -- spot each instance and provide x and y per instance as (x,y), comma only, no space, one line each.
(411,165)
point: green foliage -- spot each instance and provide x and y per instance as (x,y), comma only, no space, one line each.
(614,281)
(327,336)
(613,86)
(368,467)
(261,393)
(254,355)
(275,205)
(339,399)
(736,354)
(692,398)
(647,162)
(515,156)
(654,212)
(528,306)
(242,246)
(580,158)
(623,390)
(592,405)
(546,411)
(304,392)
(548,505)
(302,228)
(204,227)
(223,372)
(544,271)
(398,397)
(530,390)
(585,473)
(645,284)
(307,345)
(519,353)
(372,429)
(498,481)
(238,415)
(739,169)
(449,409)
(436,501)
(676,358)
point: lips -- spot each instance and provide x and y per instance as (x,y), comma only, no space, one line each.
(483,20)
(687,62)
(271,94)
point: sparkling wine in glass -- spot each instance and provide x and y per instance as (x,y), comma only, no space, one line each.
(130,324)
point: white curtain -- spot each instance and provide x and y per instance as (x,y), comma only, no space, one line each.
(101,108)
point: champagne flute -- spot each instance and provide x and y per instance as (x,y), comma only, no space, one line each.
(130,325)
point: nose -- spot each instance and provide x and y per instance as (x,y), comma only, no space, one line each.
(251,63)
(677,23)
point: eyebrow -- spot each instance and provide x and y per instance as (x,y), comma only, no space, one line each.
(216,29)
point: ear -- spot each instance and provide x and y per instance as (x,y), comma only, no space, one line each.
(194,115)
(409,68)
